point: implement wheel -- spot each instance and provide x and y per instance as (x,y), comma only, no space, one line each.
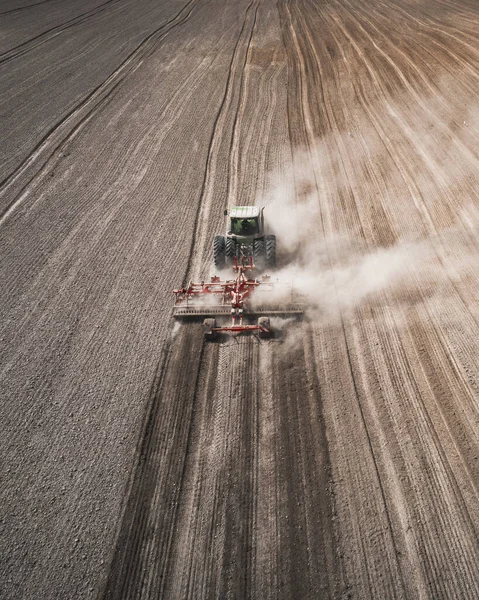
(208,325)
(265,328)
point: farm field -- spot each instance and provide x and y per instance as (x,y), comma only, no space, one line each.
(340,458)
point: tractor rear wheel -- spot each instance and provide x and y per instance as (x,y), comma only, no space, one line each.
(230,250)
(259,254)
(265,328)
(208,325)
(219,252)
(270,251)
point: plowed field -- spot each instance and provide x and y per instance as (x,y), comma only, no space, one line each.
(339,459)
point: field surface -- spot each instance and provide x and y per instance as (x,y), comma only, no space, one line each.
(339,459)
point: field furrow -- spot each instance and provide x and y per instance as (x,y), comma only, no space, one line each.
(339,459)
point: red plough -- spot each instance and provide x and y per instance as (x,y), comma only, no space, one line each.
(239,297)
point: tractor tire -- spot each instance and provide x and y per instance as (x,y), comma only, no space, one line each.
(230,251)
(219,252)
(270,241)
(265,331)
(259,254)
(208,325)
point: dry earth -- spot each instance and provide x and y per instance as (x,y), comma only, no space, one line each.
(338,460)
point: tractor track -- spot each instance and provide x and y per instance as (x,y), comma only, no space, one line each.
(76,117)
(27,6)
(56,137)
(44,36)
(151,505)
(393,586)
(337,460)
(126,579)
(201,235)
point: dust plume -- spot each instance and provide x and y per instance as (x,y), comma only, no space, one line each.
(175,329)
(329,272)
(356,222)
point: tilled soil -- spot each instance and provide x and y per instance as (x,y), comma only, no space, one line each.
(339,459)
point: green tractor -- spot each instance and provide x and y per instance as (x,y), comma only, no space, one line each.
(245,237)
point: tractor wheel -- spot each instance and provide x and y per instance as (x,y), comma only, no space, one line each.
(259,254)
(230,251)
(265,328)
(219,252)
(208,325)
(270,251)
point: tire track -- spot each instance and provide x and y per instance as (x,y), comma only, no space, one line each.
(435,557)
(161,463)
(261,136)
(45,36)
(66,130)
(303,474)
(393,586)
(215,188)
(20,8)
(232,179)
(212,554)
(145,507)
(339,464)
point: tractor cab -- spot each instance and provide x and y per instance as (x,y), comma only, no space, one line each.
(244,226)
(244,221)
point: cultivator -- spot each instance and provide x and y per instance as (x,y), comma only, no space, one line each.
(243,298)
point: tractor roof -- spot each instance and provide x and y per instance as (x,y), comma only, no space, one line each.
(244,212)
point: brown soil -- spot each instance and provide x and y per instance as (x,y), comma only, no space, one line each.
(138,460)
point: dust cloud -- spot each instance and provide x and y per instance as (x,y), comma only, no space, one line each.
(175,329)
(338,260)
(329,273)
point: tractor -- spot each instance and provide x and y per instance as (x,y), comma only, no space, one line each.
(244,236)
(247,252)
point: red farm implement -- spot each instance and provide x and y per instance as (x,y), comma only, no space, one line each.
(243,298)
